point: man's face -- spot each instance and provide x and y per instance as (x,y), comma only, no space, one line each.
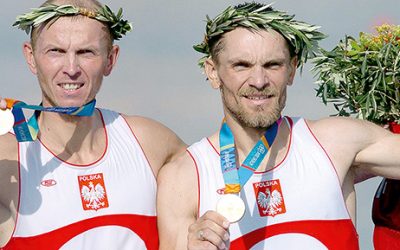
(253,71)
(70,59)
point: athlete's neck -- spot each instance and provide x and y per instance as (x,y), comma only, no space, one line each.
(245,137)
(73,138)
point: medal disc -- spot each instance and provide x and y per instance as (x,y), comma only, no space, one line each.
(231,206)
(6,121)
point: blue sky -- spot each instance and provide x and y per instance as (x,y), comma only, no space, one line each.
(157,74)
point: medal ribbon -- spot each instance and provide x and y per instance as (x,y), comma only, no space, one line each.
(236,177)
(28,130)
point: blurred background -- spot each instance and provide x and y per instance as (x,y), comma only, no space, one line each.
(157,74)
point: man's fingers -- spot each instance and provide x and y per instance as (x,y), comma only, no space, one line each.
(202,245)
(217,239)
(217,218)
(3,103)
(209,232)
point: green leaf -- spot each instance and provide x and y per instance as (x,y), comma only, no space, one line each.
(364,66)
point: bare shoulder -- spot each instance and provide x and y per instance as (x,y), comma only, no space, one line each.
(177,182)
(346,129)
(333,123)
(159,143)
(144,125)
(351,142)
(180,173)
(177,189)
(346,134)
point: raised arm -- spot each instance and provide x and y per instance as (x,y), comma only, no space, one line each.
(381,156)
(359,143)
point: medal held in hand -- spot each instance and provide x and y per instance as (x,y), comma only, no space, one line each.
(230,205)
(6,121)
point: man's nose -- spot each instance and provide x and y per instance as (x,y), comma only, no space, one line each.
(71,65)
(259,77)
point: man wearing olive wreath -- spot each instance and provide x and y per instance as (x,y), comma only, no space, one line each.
(267,181)
(89,179)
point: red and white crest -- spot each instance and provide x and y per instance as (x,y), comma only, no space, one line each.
(269,198)
(93,192)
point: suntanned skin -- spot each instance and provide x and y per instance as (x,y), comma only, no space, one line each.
(74,51)
(254,61)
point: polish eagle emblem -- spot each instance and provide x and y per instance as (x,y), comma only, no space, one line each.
(94,195)
(270,202)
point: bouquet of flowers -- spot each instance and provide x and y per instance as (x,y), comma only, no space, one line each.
(362,76)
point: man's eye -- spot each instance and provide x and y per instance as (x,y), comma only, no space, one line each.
(272,65)
(85,52)
(241,65)
(55,50)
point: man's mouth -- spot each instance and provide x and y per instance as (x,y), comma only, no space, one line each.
(71,86)
(257,98)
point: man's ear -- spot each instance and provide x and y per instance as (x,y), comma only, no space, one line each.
(111,59)
(293,68)
(210,68)
(29,58)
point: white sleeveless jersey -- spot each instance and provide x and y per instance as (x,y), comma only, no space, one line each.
(298,204)
(109,204)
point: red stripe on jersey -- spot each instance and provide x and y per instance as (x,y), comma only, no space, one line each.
(335,234)
(144,226)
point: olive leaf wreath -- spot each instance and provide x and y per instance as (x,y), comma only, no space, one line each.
(51,12)
(302,36)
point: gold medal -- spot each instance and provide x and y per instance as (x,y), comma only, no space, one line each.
(231,206)
(6,121)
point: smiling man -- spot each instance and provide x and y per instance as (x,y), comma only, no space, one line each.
(89,180)
(267,181)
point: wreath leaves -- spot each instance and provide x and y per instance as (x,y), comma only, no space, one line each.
(302,36)
(118,26)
